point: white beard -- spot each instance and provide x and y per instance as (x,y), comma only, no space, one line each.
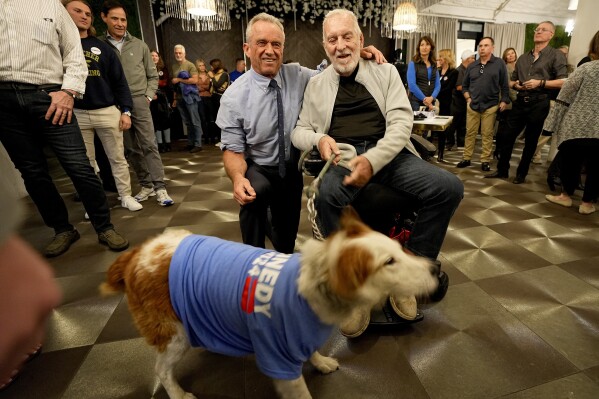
(348,67)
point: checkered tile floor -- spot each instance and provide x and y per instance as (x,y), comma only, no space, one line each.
(520,320)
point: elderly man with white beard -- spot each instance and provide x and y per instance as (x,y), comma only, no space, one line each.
(365,105)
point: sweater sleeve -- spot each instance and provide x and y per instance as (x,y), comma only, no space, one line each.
(399,120)
(151,73)
(437,83)
(466,81)
(118,82)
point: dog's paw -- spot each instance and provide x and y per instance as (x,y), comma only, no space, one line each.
(326,365)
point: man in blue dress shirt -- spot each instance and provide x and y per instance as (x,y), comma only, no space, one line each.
(248,119)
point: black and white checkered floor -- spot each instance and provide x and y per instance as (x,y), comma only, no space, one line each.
(520,320)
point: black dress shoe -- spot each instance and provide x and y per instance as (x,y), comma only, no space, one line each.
(518,180)
(485,167)
(497,174)
(464,163)
(441,288)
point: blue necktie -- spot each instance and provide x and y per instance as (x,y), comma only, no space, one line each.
(280,127)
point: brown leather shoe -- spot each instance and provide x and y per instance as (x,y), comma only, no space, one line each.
(61,243)
(114,240)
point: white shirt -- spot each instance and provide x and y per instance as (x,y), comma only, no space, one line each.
(40,45)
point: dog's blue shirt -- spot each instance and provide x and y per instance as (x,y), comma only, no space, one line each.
(236,300)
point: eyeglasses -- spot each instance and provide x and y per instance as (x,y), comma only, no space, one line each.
(482,68)
(541,30)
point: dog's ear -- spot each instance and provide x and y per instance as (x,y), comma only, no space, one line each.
(115,276)
(354,265)
(351,223)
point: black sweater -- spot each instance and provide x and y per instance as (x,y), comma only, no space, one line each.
(106,84)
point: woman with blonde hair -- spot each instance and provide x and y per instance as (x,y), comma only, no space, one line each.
(205,106)
(448,77)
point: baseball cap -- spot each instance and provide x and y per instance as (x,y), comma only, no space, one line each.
(468,54)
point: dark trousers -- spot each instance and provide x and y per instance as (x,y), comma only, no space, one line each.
(215,108)
(574,154)
(24,131)
(456,133)
(283,196)
(438,193)
(529,115)
(205,110)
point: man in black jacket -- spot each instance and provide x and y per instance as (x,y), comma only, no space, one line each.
(106,106)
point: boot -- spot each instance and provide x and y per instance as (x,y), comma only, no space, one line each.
(440,154)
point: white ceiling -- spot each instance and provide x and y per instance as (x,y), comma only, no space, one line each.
(502,11)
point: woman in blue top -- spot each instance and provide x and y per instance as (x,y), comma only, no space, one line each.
(423,78)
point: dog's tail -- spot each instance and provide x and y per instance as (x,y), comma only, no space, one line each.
(115,277)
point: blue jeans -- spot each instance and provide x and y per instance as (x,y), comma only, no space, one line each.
(191,117)
(24,133)
(437,191)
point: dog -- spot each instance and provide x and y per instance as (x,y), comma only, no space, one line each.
(187,290)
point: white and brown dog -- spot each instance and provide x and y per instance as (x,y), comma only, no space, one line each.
(186,290)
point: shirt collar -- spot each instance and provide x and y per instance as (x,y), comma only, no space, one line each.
(115,40)
(264,81)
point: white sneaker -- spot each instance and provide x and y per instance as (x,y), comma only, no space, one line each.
(217,144)
(163,198)
(130,203)
(144,194)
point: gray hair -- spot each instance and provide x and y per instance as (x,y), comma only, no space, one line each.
(341,12)
(265,18)
(548,22)
(180,47)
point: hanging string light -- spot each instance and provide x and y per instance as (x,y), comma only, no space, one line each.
(200,15)
(201,8)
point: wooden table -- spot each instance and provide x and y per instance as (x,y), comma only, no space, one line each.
(437,123)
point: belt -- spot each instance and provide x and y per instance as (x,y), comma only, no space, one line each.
(27,86)
(532,97)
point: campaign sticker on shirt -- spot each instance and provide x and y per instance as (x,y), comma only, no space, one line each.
(96,50)
(160,73)
(444,77)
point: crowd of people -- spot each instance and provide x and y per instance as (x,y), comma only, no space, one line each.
(504,98)
(261,118)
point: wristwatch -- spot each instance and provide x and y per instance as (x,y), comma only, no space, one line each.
(128,113)
(73,93)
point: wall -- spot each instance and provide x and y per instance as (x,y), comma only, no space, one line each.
(585,28)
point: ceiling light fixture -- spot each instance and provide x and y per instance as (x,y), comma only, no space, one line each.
(405,17)
(573,5)
(201,8)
